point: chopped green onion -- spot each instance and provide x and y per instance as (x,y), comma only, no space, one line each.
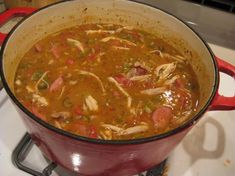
(147,109)
(85,118)
(67,103)
(42,85)
(36,75)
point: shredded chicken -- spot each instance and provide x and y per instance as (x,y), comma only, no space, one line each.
(183,117)
(154,91)
(84,107)
(136,129)
(50,62)
(18,82)
(131,73)
(57,124)
(39,100)
(176,57)
(172,80)
(98,25)
(119,30)
(112,127)
(99,31)
(62,92)
(129,99)
(140,78)
(163,71)
(107,135)
(120,131)
(94,76)
(99,56)
(120,48)
(157,51)
(62,114)
(91,103)
(128,27)
(106,39)
(108,25)
(76,43)
(180,57)
(73,82)
(29,89)
(133,111)
(125,27)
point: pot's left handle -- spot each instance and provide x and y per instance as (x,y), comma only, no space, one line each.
(9,14)
(220,102)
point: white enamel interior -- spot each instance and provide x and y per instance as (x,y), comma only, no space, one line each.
(70,13)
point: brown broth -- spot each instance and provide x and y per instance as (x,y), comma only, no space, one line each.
(107,81)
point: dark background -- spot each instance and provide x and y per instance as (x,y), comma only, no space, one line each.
(226,5)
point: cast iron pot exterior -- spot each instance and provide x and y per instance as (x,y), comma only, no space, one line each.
(99,157)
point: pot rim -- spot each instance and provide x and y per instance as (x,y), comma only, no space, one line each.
(174,131)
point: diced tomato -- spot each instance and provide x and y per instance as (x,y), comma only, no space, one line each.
(37,113)
(111,109)
(92,57)
(179,83)
(29,72)
(120,79)
(116,94)
(162,116)
(79,127)
(136,35)
(97,48)
(55,51)
(123,80)
(92,132)
(116,43)
(38,48)
(140,70)
(78,110)
(56,84)
(28,105)
(70,61)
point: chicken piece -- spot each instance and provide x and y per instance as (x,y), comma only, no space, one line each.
(39,100)
(163,71)
(91,103)
(63,114)
(154,91)
(77,43)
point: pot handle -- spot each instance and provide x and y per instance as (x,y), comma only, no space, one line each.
(220,102)
(9,14)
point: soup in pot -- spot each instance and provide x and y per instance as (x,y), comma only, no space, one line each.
(107,81)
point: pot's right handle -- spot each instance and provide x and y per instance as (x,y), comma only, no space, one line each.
(220,102)
(7,15)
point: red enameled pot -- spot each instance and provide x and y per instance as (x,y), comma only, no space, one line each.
(94,156)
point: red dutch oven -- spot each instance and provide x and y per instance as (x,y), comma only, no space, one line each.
(103,157)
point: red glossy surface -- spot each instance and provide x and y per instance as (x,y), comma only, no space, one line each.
(9,14)
(100,159)
(220,102)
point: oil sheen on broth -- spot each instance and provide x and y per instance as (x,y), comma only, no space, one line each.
(107,81)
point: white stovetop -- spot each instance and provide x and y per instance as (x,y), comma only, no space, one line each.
(207,150)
